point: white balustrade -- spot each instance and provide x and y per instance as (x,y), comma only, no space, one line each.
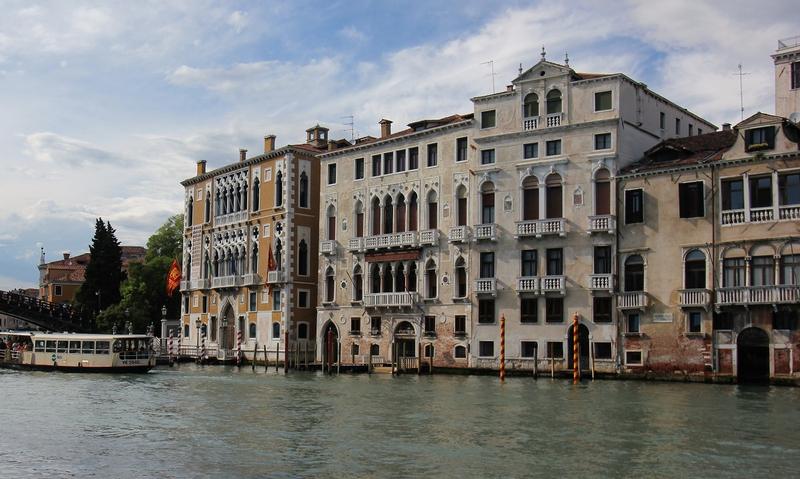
(553,119)
(227,281)
(391,240)
(526,228)
(486,231)
(528,284)
(553,284)
(355,244)
(391,300)
(760,215)
(695,298)
(539,228)
(601,282)
(236,217)
(602,224)
(428,237)
(276,276)
(458,234)
(632,300)
(530,123)
(486,286)
(733,217)
(252,278)
(789,212)
(327,247)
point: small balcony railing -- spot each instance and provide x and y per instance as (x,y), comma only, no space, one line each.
(184,286)
(486,286)
(391,300)
(252,278)
(487,231)
(553,119)
(553,284)
(230,218)
(539,228)
(789,212)
(530,123)
(327,247)
(355,244)
(733,217)
(601,282)
(528,284)
(761,215)
(428,237)
(602,224)
(745,295)
(458,234)
(695,298)
(277,276)
(227,281)
(632,300)
(391,240)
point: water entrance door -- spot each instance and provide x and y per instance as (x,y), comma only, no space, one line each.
(752,358)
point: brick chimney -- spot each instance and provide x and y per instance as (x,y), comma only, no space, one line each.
(66,255)
(726,127)
(269,143)
(242,154)
(386,127)
(201,167)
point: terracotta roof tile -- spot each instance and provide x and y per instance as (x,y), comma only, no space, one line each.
(690,150)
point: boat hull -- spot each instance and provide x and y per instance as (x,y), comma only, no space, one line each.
(79,369)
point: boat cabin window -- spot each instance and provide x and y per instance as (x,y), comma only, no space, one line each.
(51,347)
(62,346)
(74,347)
(103,347)
(88,347)
(39,346)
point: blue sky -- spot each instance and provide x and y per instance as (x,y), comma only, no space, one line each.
(106,106)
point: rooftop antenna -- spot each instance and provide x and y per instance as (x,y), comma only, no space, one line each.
(520,68)
(566,58)
(741,89)
(491,64)
(351,124)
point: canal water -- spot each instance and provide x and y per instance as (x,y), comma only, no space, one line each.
(215,421)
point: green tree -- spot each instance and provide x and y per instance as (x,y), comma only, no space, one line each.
(104,275)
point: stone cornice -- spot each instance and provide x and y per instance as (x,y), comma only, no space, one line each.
(540,131)
(714,164)
(248,162)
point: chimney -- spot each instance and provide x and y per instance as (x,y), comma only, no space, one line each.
(269,143)
(201,167)
(66,255)
(386,127)
(726,127)
(242,154)
(509,87)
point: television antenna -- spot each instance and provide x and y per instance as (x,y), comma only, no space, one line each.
(741,89)
(350,122)
(491,65)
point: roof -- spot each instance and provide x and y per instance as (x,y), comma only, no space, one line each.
(686,151)
(73,269)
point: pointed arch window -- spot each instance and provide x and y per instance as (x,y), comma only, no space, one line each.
(388,215)
(553,102)
(431,280)
(461,206)
(634,273)
(279,254)
(302,259)
(207,216)
(433,210)
(487,203)
(388,283)
(461,278)
(189,212)
(254,259)
(400,220)
(303,190)
(216,264)
(359,209)
(411,283)
(329,285)
(244,197)
(399,278)
(331,215)
(188,269)
(376,216)
(358,284)
(602,192)
(375,278)
(531,105)
(218,203)
(279,189)
(256,193)
(413,211)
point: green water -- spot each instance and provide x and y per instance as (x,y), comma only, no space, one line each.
(190,421)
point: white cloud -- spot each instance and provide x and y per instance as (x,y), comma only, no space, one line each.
(353,34)
(238,20)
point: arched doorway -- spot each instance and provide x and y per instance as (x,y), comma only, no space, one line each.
(405,346)
(583,346)
(226,329)
(330,345)
(752,355)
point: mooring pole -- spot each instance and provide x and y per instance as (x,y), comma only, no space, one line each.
(266,361)
(591,357)
(576,360)
(369,360)
(329,350)
(286,352)
(255,355)
(536,360)
(502,347)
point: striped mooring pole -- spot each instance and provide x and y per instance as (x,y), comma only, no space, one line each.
(576,365)
(239,348)
(502,347)
(202,344)
(169,346)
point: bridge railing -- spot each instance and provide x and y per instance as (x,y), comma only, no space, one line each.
(42,313)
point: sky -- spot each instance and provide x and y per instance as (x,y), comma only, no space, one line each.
(106,106)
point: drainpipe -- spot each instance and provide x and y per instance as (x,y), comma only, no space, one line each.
(617,188)
(713,305)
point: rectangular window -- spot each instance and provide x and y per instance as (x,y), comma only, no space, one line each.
(633,358)
(602,350)
(785,319)
(359,168)
(602,101)
(433,154)
(733,272)
(691,129)
(795,75)
(303,298)
(601,309)
(528,263)
(355,326)
(677,126)
(276,300)
(253,299)
(757,139)
(632,323)
(388,163)
(602,141)
(400,160)
(790,269)
(332,174)
(723,321)
(413,158)
(57,290)
(634,206)
(487,157)
(488,119)
(555,262)
(761,192)
(789,189)
(461,149)
(205,305)
(430,325)
(487,265)
(461,325)
(528,310)
(662,120)
(186,304)
(375,325)
(555,350)
(691,198)
(487,208)
(762,271)
(694,322)
(486,349)
(602,260)
(733,194)
(530,150)
(553,147)
(376,165)
(486,311)
(555,310)
(528,349)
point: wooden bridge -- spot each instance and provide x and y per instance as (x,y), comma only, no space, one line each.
(44,314)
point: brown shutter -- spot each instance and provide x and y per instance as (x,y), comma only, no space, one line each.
(462,212)
(360,225)
(602,193)
(554,209)
(412,215)
(331,227)
(531,204)
(401,218)
(433,215)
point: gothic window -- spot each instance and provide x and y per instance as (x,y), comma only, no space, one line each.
(302,258)
(256,193)
(279,189)
(303,190)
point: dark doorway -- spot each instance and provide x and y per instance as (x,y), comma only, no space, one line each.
(330,341)
(583,343)
(752,355)
(405,344)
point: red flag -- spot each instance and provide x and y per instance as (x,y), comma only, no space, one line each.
(173,278)
(271,265)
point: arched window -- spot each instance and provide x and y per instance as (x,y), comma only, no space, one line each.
(412,277)
(244,197)
(431,279)
(400,220)
(216,263)
(433,210)
(695,270)
(251,334)
(276,330)
(553,102)
(531,105)
(237,198)
(359,210)
(189,212)
(218,204)
(530,199)
(188,269)
(254,259)
(460,352)
(329,285)
(228,200)
(207,216)
(461,278)
(234,258)
(388,214)
(429,350)
(399,278)
(487,203)
(386,275)
(207,270)
(213,328)
(256,193)
(303,190)
(331,215)
(634,273)
(279,254)
(461,206)
(375,349)
(602,192)
(376,216)
(554,196)
(302,331)
(302,258)
(413,211)
(279,189)
(358,284)
(375,278)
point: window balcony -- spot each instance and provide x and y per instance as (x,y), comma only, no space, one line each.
(327,247)
(553,284)
(553,119)
(530,123)
(602,224)
(250,279)
(227,281)
(184,286)
(486,286)
(486,232)
(695,298)
(230,218)
(601,282)
(747,295)
(528,284)
(428,237)
(194,284)
(391,240)
(275,277)
(391,300)
(733,217)
(458,234)
(355,244)
(539,228)
(632,300)
(789,213)
(761,215)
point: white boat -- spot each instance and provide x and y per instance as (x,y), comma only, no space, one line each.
(77,352)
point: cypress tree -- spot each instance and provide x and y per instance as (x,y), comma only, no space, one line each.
(104,271)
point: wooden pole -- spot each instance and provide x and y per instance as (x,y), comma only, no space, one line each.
(286,352)
(353,355)
(535,360)
(552,361)
(277,355)
(266,361)
(338,355)
(591,357)
(255,354)
(419,360)
(369,359)
(576,347)
(502,347)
